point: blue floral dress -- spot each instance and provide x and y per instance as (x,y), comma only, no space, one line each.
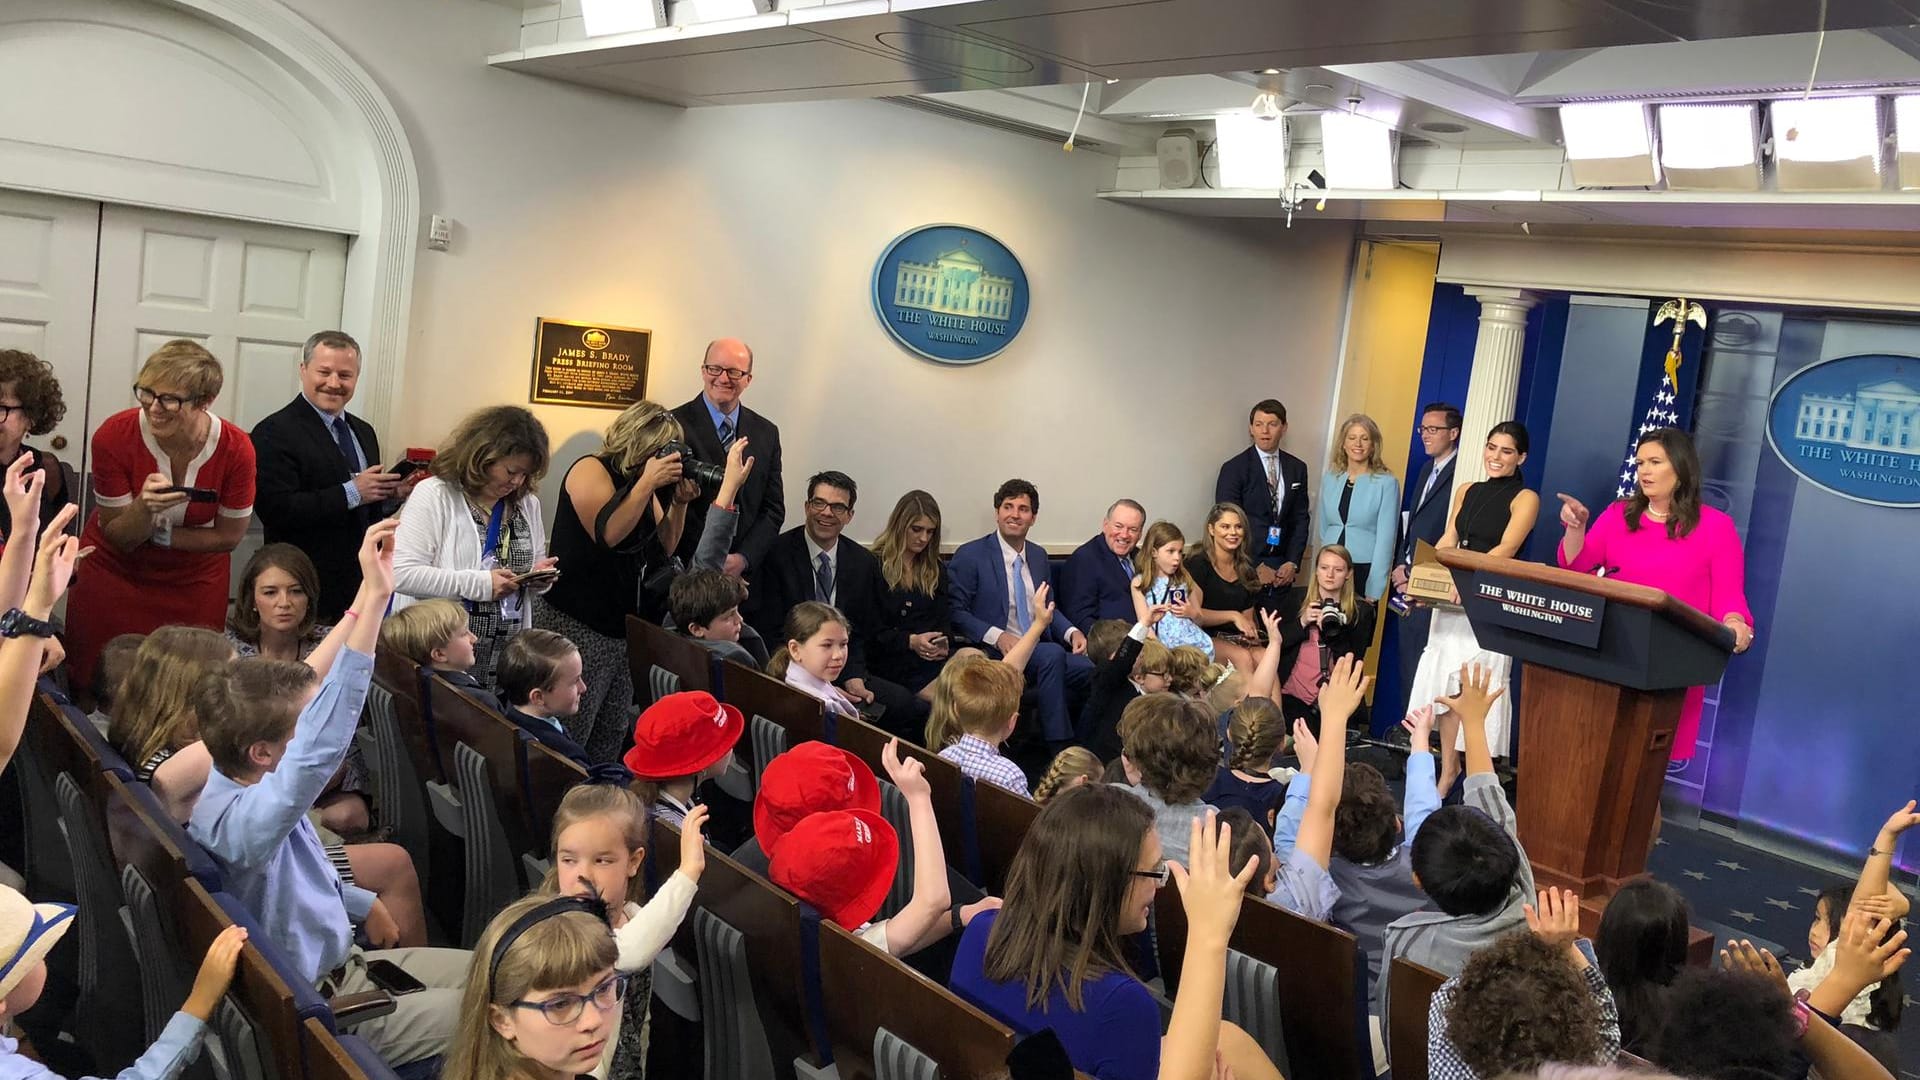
(1174,630)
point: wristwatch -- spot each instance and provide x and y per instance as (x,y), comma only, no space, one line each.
(16,623)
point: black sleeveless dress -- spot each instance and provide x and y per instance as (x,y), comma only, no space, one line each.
(1485,512)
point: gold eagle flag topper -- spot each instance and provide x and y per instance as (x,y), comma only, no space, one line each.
(1681,311)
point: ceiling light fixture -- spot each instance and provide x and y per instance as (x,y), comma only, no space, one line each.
(602,17)
(1828,144)
(1252,151)
(1359,152)
(1609,144)
(1266,105)
(1906,140)
(1711,147)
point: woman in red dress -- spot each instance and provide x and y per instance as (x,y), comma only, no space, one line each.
(160,553)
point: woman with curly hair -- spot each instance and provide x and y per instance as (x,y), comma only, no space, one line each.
(30,404)
(1531,997)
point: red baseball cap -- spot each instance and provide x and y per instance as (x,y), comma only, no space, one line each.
(841,862)
(681,734)
(811,778)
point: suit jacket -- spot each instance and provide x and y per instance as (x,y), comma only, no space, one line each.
(1427,518)
(786,579)
(543,732)
(1110,694)
(762,501)
(301,497)
(980,594)
(1243,480)
(1093,586)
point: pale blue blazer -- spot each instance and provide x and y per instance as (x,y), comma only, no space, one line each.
(1372,524)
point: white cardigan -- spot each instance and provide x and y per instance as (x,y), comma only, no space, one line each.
(436,550)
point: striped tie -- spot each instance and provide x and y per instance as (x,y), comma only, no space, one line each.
(726,434)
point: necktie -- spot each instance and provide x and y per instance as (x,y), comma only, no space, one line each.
(726,434)
(1432,475)
(1273,472)
(823,579)
(1021,615)
(343,436)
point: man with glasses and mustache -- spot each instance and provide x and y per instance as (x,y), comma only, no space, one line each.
(813,561)
(711,423)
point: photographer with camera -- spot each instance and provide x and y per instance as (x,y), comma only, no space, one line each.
(621,513)
(1333,622)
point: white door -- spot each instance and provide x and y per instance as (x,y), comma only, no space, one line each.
(47,251)
(250,293)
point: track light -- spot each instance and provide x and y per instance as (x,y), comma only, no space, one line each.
(1253,151)
(1609,144)
(1358,150)
(1827,144)
(1711,147)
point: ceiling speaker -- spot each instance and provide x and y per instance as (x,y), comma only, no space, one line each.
(1179,159)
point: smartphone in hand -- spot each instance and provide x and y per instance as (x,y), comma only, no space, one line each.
(537,577)
(405,467)
(193,494)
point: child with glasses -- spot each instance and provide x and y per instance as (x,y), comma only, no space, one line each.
(542,996)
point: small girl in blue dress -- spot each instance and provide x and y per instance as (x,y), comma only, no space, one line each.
(1159,560)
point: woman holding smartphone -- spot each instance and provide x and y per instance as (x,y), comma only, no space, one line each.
(913,642)
(173,493)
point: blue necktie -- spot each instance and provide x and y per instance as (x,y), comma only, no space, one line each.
(823,579)
(344,437)
(1021,615)
(726,434)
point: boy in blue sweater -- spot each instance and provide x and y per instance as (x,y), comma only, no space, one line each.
(276,739)
(1303,837)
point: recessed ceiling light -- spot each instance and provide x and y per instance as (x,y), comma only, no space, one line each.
(1441,127)
(1269,71)
(1318,88)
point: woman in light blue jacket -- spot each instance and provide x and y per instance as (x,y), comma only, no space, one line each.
(1360,504)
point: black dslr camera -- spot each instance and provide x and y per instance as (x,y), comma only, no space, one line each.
(707,475)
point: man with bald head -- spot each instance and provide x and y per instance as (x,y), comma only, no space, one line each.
(711,423)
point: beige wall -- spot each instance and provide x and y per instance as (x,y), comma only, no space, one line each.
(1149,334)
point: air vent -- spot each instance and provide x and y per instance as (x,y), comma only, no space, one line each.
(998,123)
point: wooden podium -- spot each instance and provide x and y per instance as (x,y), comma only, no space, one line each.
(1607,666)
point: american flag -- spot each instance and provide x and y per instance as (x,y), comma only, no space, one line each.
(1663,404)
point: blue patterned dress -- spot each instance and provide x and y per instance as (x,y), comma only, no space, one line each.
(1174,630)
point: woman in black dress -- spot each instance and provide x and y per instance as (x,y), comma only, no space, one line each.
(913,642)
(1223,569)
(1493,516)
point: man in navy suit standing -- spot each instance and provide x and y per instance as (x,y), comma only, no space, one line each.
(993,581)
(1271,486)
(1096,582)
(1427,501)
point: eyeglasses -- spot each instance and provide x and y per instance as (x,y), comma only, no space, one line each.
(7,411)
(168,402)
(839,509)
(564,1009)
(1432,429)
(1160,876)
(1155,674)
(714,371)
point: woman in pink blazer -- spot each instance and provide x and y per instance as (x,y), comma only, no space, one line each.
(1663,537)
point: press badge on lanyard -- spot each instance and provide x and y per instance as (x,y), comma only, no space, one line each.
(1273,537)
(499,539)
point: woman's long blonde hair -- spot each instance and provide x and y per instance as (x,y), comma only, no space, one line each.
(638,433)
(584,802)
(901,569)
(1337,457)
(153,712)
(557,953)
(1313,582)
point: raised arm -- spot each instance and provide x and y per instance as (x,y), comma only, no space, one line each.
(1042,611)
(22,488)
(1345,690)
(1265,680)
(923,920)
(1473,702)
(20,657)
(366,604)
(1877,875)
(1212,894)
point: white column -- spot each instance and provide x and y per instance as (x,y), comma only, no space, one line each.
(1495,383)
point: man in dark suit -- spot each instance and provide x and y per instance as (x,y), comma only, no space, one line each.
(992,580)
(1427,500)
(1271,486)
(710,423)
(319,478)
(814,562)
(1096,582)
